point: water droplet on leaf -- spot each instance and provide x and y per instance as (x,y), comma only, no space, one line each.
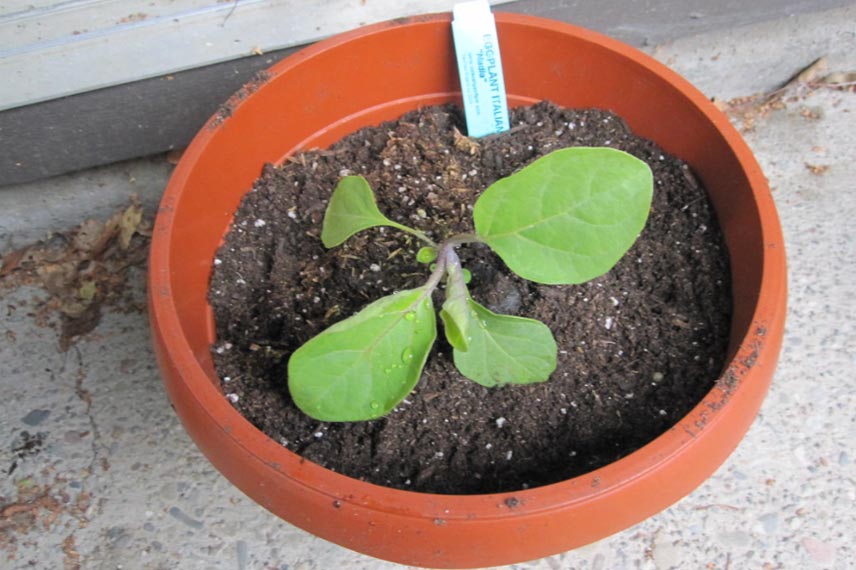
(375,405)
(407,355)
(410,315)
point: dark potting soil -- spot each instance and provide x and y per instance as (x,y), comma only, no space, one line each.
(638,347)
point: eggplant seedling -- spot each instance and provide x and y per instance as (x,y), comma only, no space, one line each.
(566,218)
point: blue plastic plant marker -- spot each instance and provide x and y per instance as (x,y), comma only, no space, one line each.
(480,68)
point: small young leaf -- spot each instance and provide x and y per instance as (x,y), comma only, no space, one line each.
(362,367)
(456,309)
(569,216)
(455,317)
(352,208)
(426,254)
(504,349)
(88,291)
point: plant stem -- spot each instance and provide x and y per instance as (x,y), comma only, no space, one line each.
(461,239)
(453,262)
(455,272)
(439,270)
(448,262)
(414,232)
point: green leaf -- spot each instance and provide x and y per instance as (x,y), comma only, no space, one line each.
(504,349)
(569,216)
(456,308)
(362,367)
(426,254)
(352,208)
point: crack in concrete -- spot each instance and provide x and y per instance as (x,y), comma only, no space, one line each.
(85,396)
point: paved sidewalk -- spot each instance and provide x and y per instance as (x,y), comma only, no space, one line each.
(97,473)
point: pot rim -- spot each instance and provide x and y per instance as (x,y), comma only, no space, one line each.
(586,488)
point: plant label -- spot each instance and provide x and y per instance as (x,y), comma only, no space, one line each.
(480,68)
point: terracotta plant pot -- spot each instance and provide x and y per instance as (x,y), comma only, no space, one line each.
(377,73)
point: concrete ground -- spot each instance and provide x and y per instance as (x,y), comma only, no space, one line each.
(97,473)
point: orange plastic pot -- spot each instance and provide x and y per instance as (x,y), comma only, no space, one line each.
(376,73)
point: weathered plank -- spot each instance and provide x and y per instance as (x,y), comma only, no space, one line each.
(157,114)
(56,49)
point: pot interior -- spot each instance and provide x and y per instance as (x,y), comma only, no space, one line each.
(305,108)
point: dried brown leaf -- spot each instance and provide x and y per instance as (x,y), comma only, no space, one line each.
(750,108)
(133,18)
(57,278)
(145,228)
(465,144)
(88,235)
(843,80)
(839,77)
(811,72)
(811,114)
(11,261)
(817,169)
(71,561)
(73,308)
(111,230)
(128,224)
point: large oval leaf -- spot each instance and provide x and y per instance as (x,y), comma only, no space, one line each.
(569,216)
(506,350)
(362,367)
